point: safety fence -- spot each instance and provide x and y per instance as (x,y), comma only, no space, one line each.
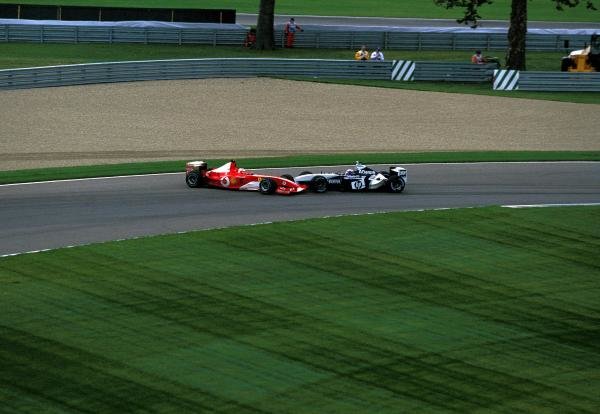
(313,68)
(116,34)
(98,13)
(406,70)
(310,38)
(189,69)
(510,80)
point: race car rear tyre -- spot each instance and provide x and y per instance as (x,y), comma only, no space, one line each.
(193,179)
(396,184)
(318,184)
(288,177)
(267,186)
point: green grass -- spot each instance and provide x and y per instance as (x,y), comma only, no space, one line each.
(499,10)
(475,310)
(63,173)
(469,88)
(17,55)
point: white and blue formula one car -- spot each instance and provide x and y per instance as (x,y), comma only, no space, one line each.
(359,178)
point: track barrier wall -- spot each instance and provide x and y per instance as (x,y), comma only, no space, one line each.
(512,80)
(190,69)
(313,38)
(94,13)
(313,68)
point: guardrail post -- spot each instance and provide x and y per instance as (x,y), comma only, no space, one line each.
(41,34)
(418,41)
(76,34)
(179,33)
(453,41)
(487,38)
(386,40)
(110,35)
(318,39)
(215,38)
(6,32)
(145,35)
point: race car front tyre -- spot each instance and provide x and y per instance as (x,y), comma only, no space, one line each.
(267,186)
(193,179)
(318,184)
(288,177)
(396,184)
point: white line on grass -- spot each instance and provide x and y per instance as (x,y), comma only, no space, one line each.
(550,205)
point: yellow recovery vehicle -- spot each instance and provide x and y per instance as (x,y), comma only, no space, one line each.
(584,60)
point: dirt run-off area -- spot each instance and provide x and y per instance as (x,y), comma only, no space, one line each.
(223,118)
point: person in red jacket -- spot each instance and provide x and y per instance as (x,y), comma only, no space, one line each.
(477,58)
(290,32)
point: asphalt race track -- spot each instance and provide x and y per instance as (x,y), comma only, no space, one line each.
(251,19)
(57,214)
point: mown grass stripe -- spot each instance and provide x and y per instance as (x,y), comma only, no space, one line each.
(422,312)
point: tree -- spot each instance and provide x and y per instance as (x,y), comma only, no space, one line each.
(265,37)
(515,54)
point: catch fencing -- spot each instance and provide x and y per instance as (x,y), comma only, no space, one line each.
(310,38)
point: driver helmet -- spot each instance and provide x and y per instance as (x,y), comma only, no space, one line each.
(359,166)
(349,171)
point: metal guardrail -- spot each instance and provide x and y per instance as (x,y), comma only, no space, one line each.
(453,72)
(408,71)
(115,34)
(559,81)
(189,69)
(334,39)
(433,41)
(512,80)
(243,67)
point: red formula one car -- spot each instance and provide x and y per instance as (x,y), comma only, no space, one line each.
(229,176)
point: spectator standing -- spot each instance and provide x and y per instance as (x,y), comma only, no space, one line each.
(362,54)
(377,55)
(250,38)
(290,32)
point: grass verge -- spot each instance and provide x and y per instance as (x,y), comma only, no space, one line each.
(19,55)
(443,311)
(467,88)
(498,10)
(107,170)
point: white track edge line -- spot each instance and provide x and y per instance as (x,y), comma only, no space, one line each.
(550,205)
(306,166)
(418,210)
(225,227)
